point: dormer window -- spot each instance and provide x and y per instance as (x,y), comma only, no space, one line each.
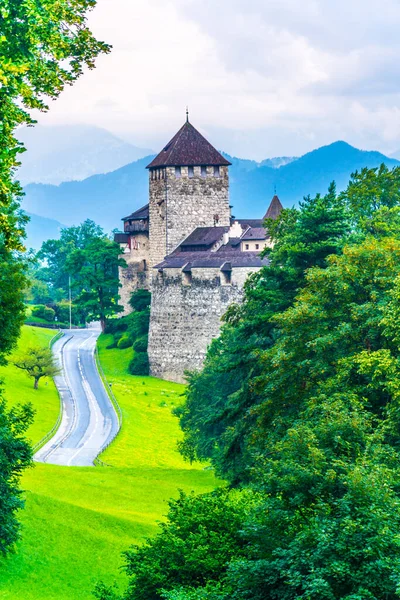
(217,172)
(204,171)
(191,172)
(178,172)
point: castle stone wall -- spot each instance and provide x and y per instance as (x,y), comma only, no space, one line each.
(178,205)
(136,275)
(185,318)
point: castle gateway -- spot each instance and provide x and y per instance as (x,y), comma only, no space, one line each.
(188,250)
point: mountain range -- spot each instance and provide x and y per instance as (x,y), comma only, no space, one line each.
(106,198)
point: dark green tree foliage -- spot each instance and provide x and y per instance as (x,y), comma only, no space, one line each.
(140,300)
(319,447)
(139,364)
(15,456)
(95,274)
(202,535)
(216,419)
(55,254)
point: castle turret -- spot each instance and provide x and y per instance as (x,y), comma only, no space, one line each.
(189,188)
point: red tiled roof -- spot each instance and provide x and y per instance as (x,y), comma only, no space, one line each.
(188,148)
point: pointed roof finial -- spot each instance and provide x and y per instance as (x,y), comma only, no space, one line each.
(187,114)
(275,190)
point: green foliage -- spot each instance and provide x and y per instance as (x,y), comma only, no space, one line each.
(43,312)
(38,362)
(139,364)
(204,529)
(140,345)
(138,323)
(95,274)
(38,292)
(298,405)
(15,456)
(55,254)
(140,300)
(217,416)
(124,342)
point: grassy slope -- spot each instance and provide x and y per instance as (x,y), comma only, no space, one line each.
(77,521)
(18,387)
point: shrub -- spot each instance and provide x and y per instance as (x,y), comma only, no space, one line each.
(125,341)
(43,312)
(138,324)
(139,365)
(140,345)
(117,325)
(140,300)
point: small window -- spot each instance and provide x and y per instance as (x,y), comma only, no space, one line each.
(246,246)
(191,172)
(178,172)
(257,246)
(204,171)
(216,172)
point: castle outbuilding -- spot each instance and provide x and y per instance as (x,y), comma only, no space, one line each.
(186,247)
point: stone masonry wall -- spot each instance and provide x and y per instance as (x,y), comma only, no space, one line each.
(136,275)
(180,204)
(158,191)
(185,318)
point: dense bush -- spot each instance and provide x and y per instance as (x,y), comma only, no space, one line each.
(44,312)
(140,345)
(140,300)
(139,365)
(124,342)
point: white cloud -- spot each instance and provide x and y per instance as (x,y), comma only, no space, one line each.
(262,77)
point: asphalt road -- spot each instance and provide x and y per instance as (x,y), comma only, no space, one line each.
(89,420)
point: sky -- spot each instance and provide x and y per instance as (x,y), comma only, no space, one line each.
(262,78)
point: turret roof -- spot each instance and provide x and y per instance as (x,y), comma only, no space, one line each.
(275,208)
(188,148)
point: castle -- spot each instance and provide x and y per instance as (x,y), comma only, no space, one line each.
(186,247)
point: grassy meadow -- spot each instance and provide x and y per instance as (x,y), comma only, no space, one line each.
(77,521)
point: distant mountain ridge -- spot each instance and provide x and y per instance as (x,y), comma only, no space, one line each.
(72,153)
(40,229)
(107,198)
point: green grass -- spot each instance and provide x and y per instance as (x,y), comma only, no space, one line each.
(77,521)
(18,387)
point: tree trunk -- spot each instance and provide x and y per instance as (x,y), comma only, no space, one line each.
(103,325)
(36,384)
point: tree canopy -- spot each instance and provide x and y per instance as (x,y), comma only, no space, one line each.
(95,275)
(297,408)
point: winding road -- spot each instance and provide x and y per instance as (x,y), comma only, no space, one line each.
(89,421)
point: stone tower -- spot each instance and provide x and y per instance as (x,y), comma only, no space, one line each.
(189,188)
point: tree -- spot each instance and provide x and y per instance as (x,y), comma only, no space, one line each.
(42,49)
(95,273)
(54,255)
(216,418)
(15,456)
(38,362)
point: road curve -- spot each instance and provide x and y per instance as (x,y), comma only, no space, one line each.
(89,421)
